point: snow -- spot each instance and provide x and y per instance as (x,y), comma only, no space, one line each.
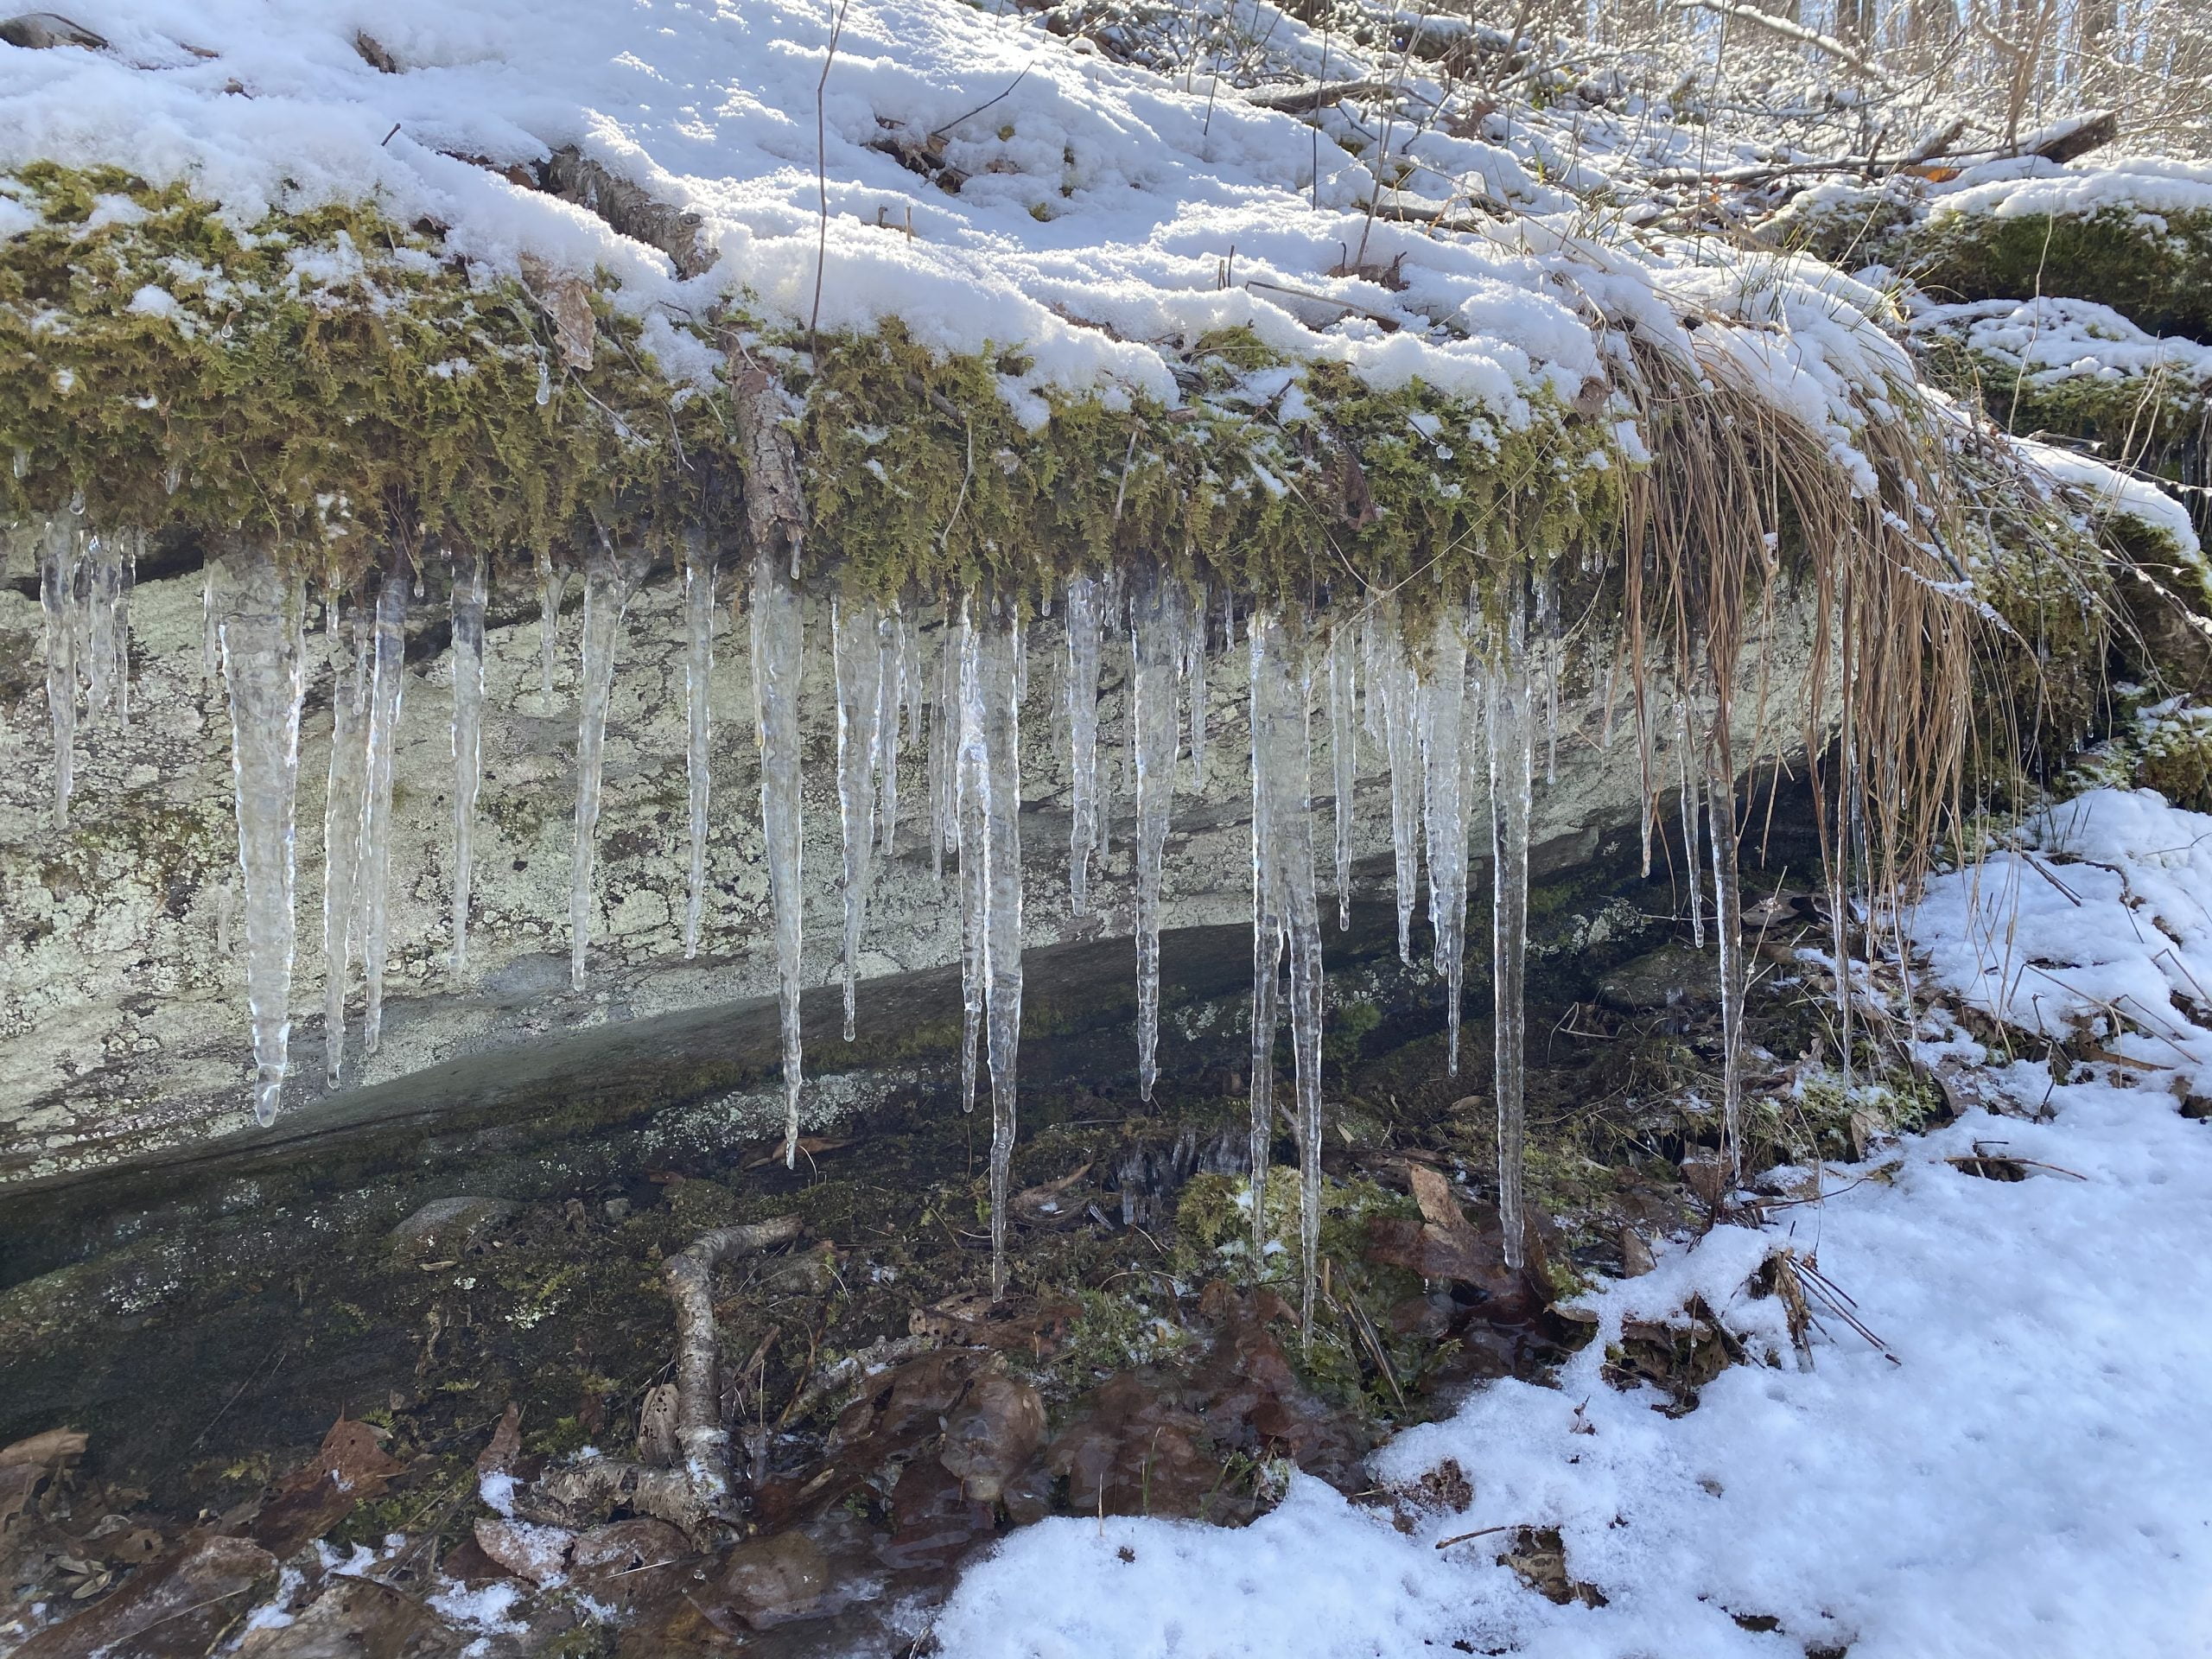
(2028,186)
(2110,489)
(2053,340)
(2021,1480)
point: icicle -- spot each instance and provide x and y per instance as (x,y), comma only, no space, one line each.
(548,621)
(1402,747)
(211,660)
(1082,652)
(1511,724)
(777,639)
(610,577)
(1371,671)
(1546,625)
(57,594)
(258,623)
(991,744)
(134,544)
(468,598)
(1194,674)
(1442,702)
(1267,972)
(345,636)
(1155,619)
(1344,757)
(1691,794)
(387,675)
(944,749)
(1281,692)
(698,674)
(857,655)
(891,648)
(1727,927)
(103,653)
(971,838)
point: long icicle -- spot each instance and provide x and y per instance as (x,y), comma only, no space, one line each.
(1156,619)
(104,644)
(259,619)
(1343,753)
(1511,725)
(468,600)
(891,645)
(345,628)
(969,836)
(57,596)
(779,637)
(944,749)
(1081,616)
(1194,676)
(1267,966)
(1402,747)
(698,762)
(1442,700)
(387,678)
(991,731)
(610,577)
(549,622)
(1691,769)
(1282,694)
(1728,930)
(856,655)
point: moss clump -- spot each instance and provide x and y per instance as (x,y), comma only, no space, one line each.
(319,374)
(2156,269)
(1272,478)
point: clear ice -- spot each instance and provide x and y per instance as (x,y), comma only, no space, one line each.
(387,678)
(778,640)
(611,576)
(1511,724)
(698,674)
(258,620)
(1081,620)
(856,651)
(468,606)
(1442,698)
(1156,617)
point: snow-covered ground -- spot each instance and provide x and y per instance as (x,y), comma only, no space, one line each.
(2029,1477)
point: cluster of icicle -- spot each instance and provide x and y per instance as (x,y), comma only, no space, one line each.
(1452,720)
(84,582)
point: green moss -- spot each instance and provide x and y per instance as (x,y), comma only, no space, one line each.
(323,377)
(2156,269)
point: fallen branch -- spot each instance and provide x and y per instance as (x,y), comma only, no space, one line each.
(1314,95)
(698,1491)
(1825,44)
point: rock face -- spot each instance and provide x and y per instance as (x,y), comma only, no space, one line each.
(123,1019)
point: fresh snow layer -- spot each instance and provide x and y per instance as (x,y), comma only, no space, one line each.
(2028,186)
(2110,489)
(1100,202)
(2027,1481)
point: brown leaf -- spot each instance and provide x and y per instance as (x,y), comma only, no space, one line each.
(566,299)
(810,1146)
(54,1449)
(170,1608)
(1433,1193)
(658,1446)
(498,1455)
(350,1468)
(356,1618)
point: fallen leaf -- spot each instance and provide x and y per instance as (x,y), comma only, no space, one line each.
(498,1455)
(350,1468)
(992,1434)
(538,1553)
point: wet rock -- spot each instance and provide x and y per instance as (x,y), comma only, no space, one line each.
(934,1518)
(769,1581)
(992,1434)
(172,1608)
(445,1227)
(1672,975)
(626,1546)
(36,31)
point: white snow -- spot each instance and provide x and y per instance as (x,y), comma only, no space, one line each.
(2110,489)
(2027,1479)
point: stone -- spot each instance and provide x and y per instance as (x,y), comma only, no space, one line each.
(445,1227)
(36,31)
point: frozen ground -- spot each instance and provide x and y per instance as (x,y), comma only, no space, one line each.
(2028,1478)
